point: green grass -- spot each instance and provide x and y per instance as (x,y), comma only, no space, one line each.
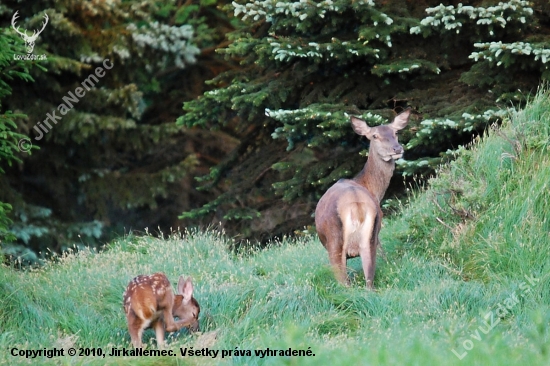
(456,253)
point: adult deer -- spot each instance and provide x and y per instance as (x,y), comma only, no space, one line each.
(29,40)
(348,216)
(150,303)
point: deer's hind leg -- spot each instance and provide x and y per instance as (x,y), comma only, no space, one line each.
(158,326)
(336,255)
(337,259)
(367,247)
(136,326)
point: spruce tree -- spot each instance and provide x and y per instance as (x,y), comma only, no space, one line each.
(308,65)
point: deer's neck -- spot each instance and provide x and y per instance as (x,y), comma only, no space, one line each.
(376,175)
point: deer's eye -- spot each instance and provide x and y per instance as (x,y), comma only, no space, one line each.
(375,136)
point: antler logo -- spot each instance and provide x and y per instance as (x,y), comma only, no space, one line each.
(29,40)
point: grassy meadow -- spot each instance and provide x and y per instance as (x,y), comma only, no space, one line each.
(465,281)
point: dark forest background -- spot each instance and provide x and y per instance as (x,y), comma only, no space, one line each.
(266,87)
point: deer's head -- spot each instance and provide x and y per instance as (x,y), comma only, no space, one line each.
(383,138)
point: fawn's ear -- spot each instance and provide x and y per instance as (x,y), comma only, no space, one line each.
(185,288)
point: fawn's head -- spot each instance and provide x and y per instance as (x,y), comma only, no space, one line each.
(185,305)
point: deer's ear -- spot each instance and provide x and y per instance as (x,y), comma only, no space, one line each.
(185,288)
(360,127)
(401,120)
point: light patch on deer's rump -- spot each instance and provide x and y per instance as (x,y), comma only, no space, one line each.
(148,314)
(356,224)
(146,324)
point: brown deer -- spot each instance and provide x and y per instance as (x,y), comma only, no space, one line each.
(348,216)
(150,303)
